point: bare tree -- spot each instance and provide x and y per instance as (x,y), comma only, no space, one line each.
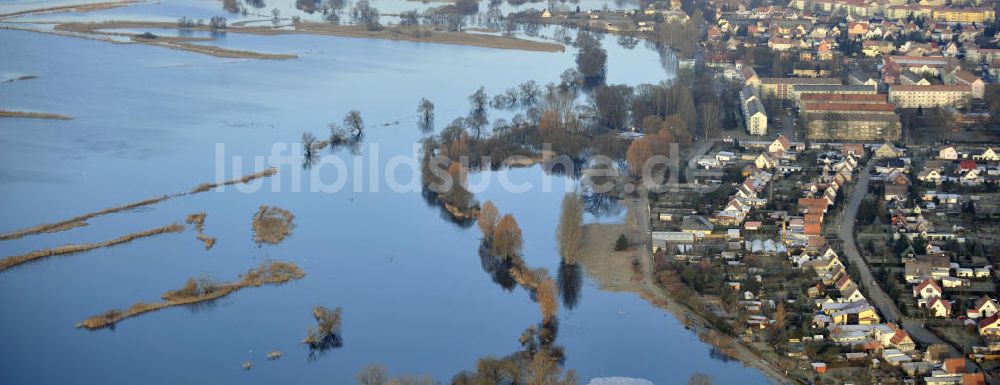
(217,23)
(426,110)
(231,6)
(488,218)
(337,133)
(308,144)
(591,59)
(275,16)
(569,234)
(529,92)
(507,240)
(354,122)
(363,13)
(479,99)
(547,299)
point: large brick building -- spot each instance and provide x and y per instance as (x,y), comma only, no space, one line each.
(861,117)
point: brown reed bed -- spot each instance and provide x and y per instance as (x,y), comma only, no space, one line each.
(244,179)
(207,240)
(198,220)
(34,115)
(12,261)
(77,221)
(81,220)
(272,224)
(200,290)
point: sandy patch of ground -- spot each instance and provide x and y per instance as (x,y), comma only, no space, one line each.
(612,269)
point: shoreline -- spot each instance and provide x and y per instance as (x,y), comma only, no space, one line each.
(658,296)
(613,272)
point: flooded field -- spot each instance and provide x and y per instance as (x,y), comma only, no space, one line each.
(149,121)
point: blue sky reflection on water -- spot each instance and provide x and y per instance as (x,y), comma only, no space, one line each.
(415,297)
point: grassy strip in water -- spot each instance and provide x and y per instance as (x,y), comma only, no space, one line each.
(244,179)
(36,115)
(81,220)
(200,290)
(12,261)
(78,220)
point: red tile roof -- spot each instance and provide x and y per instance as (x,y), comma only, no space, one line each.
(973,379)
(843,98)
(954,365)
(784,141)
(928,282)
(850,107)
(986,322)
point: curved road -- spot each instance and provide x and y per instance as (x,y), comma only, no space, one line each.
(876,296)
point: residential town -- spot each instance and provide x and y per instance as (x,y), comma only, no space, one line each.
(846,230)
(767,257)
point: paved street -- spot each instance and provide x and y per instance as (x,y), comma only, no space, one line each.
(876,296)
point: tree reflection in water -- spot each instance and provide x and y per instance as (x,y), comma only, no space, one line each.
(570,281)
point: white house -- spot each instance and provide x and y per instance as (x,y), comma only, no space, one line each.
(948,153)
(939,307)
(988,155)
(987,306)
(927,289)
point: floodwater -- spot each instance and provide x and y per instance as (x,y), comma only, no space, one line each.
(151,121)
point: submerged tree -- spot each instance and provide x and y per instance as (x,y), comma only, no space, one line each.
(308,144)
(326,334)
(231,6)
(548,300)
(591,59)
(507,241)
(354,122)
(479,99)
(569,234)
(488,219)
(364,14)
(426,110)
